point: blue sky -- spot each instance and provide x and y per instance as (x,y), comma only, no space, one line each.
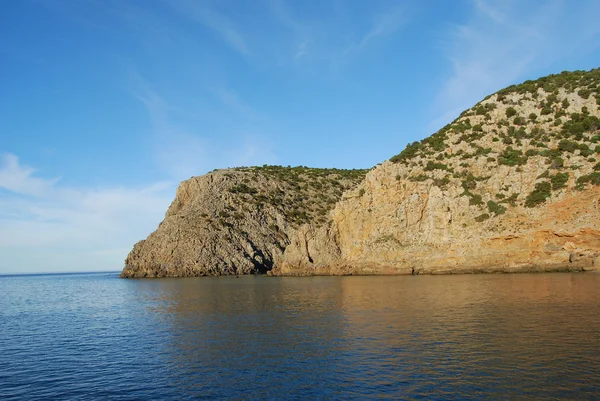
(106,105)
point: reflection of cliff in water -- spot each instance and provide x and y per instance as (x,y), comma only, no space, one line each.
(265,330)
(511,336)
(474,333)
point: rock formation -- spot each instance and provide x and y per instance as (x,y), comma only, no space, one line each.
(511,185)
(237,221)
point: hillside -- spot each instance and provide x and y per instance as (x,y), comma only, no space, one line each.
(513,184)
(237,221)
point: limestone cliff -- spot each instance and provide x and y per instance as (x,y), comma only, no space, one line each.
(512,185)
(237,221)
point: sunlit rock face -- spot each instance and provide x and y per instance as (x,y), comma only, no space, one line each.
(512,185)
(237,221)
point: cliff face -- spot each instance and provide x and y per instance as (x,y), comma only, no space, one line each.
(511,185)
(236,221)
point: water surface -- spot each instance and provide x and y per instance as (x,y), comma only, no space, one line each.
(94,336)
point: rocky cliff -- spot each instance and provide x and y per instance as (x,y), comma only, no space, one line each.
(511,185)
(237,221)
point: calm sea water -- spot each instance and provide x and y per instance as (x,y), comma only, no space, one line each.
(94,336)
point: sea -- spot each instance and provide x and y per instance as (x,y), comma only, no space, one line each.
(460,337)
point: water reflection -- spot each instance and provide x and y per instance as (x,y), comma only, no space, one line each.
(467,337)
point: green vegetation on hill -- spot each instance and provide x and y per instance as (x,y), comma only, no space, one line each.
(553,120)
(304,194)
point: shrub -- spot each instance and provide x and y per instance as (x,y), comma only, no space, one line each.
(441,182)
(512,199)
(584,93)
(243,189)
(532,116)
(411,150)
(495,208)
(593,178)
(419,178)
(482,217)
(475,200)
(512,157)
(510,112)
(531,152)
(567,146)
(435,166)
(539,195)
(546,110)
(559,180)
(519,121)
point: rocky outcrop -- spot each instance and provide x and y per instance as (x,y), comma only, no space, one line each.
(510,186)
(236,221)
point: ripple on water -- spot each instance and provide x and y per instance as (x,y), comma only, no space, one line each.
(449,337)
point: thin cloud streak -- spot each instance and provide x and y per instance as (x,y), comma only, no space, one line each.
(502,43)
(383,25)
(203,13)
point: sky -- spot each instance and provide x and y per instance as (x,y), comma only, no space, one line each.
(106,105)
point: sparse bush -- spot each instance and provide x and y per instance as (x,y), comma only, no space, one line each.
(482,217)
(495,208)
(559,180)
(519,121)
(539,195)
(567,146)
(531,152)
(435,166)
(584,93)
(593,178)
(475,200)
(512,157)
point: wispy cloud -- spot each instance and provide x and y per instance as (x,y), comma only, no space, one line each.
(383,24)
(184,147)
(234,101)
(504,41)
(20,179)
(206,14)
(43,221)
(302,49)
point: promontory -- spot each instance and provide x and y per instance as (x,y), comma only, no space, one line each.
(511,185)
